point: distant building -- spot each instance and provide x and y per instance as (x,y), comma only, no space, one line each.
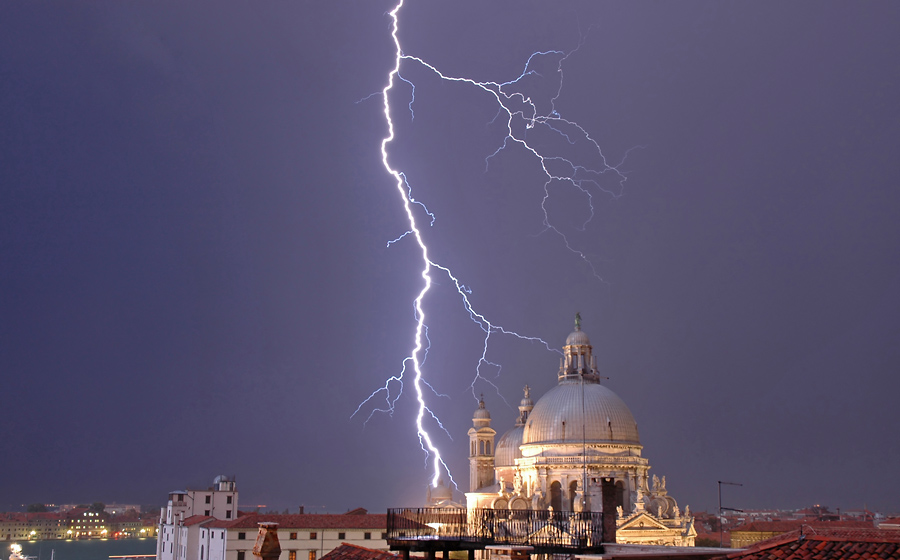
(14,526)
(819,544)
(47,525)
(757,531)
(121,509)
(84,523)
(560,449)
(192,527)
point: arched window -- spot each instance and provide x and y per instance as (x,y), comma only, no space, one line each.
(620,494)
(556,495)
(473,449)
(481,447)
(487,446)
(573,488)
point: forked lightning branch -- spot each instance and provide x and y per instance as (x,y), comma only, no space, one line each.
(520,113)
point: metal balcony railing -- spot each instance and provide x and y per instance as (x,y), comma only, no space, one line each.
(544,530)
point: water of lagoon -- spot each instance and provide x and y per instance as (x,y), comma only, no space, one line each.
(94,549)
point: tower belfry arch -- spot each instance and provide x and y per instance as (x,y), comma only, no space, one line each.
(481,448)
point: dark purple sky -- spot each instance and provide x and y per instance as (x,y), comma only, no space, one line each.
(194,278)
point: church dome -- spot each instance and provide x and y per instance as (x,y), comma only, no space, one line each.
(558,416)
(441,492)
(580,408)
(507,450)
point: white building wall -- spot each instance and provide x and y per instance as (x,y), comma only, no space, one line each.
(217,544)
(305,547)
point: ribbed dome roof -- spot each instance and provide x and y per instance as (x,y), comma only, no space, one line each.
(557,417)
(507,450)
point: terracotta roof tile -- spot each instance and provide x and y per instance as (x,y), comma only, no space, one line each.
(825,544)
(195,519)
(313,521)
(794,524)
(354,552)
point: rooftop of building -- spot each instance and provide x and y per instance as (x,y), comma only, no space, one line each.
(794,524)
(354,552)
(811,543)
(310,521)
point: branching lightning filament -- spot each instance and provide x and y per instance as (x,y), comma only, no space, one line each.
(521,115)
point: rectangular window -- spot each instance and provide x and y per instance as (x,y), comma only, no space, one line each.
(384,536)
(228,514)
(292,555)
(242,536)
(312,555)
(367,536)
(293,537)
(342,535)
(208,498)
(228,500)
(313,536)
(206,513)
(240,555)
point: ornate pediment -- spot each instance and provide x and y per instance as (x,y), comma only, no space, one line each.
(642,521)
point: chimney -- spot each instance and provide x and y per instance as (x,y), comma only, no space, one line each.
(267,546)
(608,523)
(301,510)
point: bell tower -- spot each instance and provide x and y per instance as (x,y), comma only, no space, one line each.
(481,449)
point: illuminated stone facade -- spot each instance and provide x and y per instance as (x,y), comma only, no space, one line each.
(576,434)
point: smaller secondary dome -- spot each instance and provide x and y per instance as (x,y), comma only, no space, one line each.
(507,450)
(441,492)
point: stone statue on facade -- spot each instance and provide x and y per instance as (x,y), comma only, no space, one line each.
(578,502)
(620,512)
(537,499)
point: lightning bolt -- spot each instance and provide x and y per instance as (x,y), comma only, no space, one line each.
(521,115)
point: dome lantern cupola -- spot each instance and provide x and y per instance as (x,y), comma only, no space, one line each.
(525,406)
(482,417)
(578,363)
(579,409)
